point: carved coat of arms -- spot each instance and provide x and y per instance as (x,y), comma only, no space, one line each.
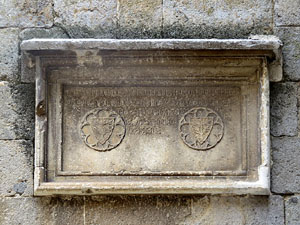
(102,129)
(201,128)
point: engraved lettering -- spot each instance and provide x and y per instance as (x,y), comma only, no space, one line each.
(157,107)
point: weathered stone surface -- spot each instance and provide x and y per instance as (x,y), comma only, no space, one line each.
(17,111)
(140,19)
(292,210)
(27,63)
(9,58)
(26,13)
(208,210)
(83,19)
(263,210)
(140,129)
(284,112)
(69,211)
(286,167)
(54,32)
(28,68)
(16,160)
(290,37)
(158,210)
(150,210)
(196,23)
(217,210)
(218,19)
(41,211)
(7,115)
(259,43)
(287,12)
(275,67)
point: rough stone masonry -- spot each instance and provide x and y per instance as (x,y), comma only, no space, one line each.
(26,19)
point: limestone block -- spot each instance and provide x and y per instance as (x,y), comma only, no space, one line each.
(41,211)
(217,210)
(7,115)
(290,37)
(285,177)
(150,210)
(184,210)
(17,111)
(69,211)
(284,119)
(16,160)
(9,48)
(54,32)
(83,19)
(140,19)
(26,13)
(287,12)
(216,19)
(292,210)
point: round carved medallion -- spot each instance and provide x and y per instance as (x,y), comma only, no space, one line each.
(102,129)
(201,128)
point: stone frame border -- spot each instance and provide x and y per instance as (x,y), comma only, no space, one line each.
(33,50)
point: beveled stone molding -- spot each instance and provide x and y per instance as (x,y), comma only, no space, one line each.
(255,42)
(152,116)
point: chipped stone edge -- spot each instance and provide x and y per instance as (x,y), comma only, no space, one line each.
(275,67)
(261,186)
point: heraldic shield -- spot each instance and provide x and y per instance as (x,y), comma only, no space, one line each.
(201,128)
(102,129)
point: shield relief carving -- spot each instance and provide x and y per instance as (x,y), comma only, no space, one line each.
(102,129)
(201,128)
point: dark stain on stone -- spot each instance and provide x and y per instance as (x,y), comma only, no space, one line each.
(294,200)
(41,109)
(24,101)
(20,188)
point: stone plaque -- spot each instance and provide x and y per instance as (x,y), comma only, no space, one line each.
(144,118)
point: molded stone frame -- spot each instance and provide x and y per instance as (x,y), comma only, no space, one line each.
(43,55)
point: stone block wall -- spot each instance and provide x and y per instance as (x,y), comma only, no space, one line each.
(26,19)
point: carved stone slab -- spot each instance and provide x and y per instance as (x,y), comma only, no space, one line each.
(145,118)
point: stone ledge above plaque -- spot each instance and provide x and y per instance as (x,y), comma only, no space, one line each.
(152,116)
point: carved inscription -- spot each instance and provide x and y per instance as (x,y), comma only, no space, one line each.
(150,110)
(102,129)
(201,128)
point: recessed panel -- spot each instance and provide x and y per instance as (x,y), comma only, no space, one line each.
(152,129)
(173,124)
